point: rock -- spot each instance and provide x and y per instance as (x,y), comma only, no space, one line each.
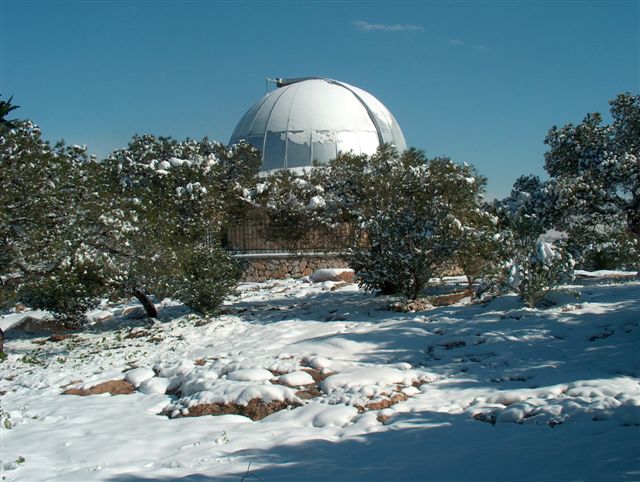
(134,312)
(154,385)
(32,325)
(336,274)
(114,387)
(138,375)
(256,409)
(296,379)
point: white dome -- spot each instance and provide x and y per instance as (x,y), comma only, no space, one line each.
(309,121)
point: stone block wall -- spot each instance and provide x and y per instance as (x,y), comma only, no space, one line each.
(267,267)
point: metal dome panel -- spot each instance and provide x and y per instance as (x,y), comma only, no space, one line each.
(309,121)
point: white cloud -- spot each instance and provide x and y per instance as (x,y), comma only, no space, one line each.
(461,43)
(382,27)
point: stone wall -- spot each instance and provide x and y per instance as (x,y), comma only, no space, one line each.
(267,267)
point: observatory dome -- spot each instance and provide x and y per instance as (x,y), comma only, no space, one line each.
(309,121)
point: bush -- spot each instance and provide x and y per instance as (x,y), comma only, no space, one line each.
(67,292)
(209,275)
(411,214)
(542,270)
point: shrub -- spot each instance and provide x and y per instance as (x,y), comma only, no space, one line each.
(209,275)
(539,272)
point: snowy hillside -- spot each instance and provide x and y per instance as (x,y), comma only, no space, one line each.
(358,392)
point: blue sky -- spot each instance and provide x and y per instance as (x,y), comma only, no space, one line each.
(481,82)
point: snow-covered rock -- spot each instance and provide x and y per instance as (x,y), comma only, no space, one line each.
(138,375)
(296,379)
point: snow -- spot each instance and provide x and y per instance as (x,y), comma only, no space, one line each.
(490,391)
(316,202)
(296,379)
(155,385)
(328,274)
(139,375)
(250,374)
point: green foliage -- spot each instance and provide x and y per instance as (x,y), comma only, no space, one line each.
(73,230)
(595,168)
(534,266)
(411,215)
(601,246)
(292,205)
(540,271)
(68,292)
(409,218)
(480,249)
(160,202)
(208,276)
(42,194)
(5,108)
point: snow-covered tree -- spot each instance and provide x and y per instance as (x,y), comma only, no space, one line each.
(534,274)
(479,246)
(161,202)
(42,219)
(73,230)
(207,276)
(595,169)
(291,205)
(411,215)
(527,213)
(535,262)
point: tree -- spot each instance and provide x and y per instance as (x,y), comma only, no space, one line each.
(479,247)
(161,206)
(596,168)
(73,230)
(43,254)
(291,205)
(411,213)
(534,274)
(5,108)
(535,263)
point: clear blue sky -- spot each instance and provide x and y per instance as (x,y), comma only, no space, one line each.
(481,82)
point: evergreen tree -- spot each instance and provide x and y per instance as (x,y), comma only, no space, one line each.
(595,169)
(5,108)
(160,203)
(411,215)
(536,265)
(292,206)
(42,223)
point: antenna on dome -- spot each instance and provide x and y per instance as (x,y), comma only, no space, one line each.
(277,81)
(280,82)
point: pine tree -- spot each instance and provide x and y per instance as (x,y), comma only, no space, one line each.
(5,108)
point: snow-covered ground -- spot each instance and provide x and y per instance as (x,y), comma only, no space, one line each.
(465,392)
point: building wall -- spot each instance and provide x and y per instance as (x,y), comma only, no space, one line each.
(265,267)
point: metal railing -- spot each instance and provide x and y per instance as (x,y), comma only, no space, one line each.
(257,236)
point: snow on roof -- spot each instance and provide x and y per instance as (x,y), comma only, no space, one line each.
(309,121)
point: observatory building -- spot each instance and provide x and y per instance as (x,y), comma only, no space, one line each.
(309,121)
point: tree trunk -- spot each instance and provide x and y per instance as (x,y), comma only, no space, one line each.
(147,304)
(1,341)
